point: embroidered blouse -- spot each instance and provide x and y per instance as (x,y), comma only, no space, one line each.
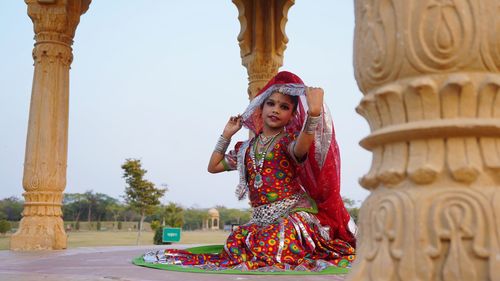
(278,171)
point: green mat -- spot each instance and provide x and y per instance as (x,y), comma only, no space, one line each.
(217,249)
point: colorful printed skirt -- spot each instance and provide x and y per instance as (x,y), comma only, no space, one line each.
(295,242)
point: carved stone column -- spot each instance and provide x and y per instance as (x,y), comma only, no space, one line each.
(262,39)
(44,179)
(429,72)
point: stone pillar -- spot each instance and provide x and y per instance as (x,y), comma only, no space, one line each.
(429,72)
(44,178)
(262,39)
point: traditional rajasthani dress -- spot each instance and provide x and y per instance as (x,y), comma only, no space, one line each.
(284,232)
(298,219)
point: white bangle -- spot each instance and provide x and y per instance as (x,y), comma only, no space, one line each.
(222,144)
(311,124)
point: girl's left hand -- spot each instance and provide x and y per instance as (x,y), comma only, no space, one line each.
(314,97)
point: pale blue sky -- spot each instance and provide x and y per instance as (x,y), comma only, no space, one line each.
(157,80)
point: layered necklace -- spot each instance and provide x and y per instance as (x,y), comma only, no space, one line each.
(258,157)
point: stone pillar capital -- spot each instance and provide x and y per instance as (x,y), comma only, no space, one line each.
(56,20)
(262,38)
(54,24)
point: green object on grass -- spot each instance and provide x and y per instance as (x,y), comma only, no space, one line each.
(214,249)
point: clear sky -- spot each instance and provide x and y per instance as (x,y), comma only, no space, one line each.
(157,80)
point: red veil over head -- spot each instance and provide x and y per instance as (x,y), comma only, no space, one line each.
(320,174)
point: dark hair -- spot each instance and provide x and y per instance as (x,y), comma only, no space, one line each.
(295,102)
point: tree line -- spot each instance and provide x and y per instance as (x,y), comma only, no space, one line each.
(141,204)
(93,207)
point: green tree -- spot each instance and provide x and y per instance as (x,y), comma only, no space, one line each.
(141,194)
(352,208)
(74,204)
(173,215)
(115,210)
(193,218)
(4,226)
(91,200)
(233,216)
(130,214)
(157,214)
(101,211)
(11,208)
(155,225)
(92,205)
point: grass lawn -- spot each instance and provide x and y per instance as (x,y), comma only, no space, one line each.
(110,238)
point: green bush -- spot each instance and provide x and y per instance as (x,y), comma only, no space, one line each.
(120,225)
(158,236)
(157,239)
(98,226)
(6,226)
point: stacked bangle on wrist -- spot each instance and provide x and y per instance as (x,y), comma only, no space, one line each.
(312,122)
(222,145)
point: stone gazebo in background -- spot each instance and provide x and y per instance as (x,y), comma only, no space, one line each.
(212,221)
(429,72)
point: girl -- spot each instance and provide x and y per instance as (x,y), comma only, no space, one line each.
(291,172)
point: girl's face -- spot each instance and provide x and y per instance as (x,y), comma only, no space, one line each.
(277,111)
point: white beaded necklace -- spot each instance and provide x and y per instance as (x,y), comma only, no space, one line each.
(257,166)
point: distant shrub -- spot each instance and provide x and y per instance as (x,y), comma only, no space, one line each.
(98,226)
(158,238)
(4,226)
(120,225)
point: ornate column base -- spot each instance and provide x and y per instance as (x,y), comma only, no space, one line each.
(39,233)
(429,71)
(442,233)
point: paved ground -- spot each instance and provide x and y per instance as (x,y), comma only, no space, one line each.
(109,263)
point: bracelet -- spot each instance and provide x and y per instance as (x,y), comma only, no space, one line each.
(222,145)
(312,122)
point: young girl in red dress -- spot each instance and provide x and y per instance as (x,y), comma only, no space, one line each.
(290,171)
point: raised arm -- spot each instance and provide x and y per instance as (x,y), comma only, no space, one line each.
(314,97)
(215,164)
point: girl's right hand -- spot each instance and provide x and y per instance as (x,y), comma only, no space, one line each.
(233,125)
